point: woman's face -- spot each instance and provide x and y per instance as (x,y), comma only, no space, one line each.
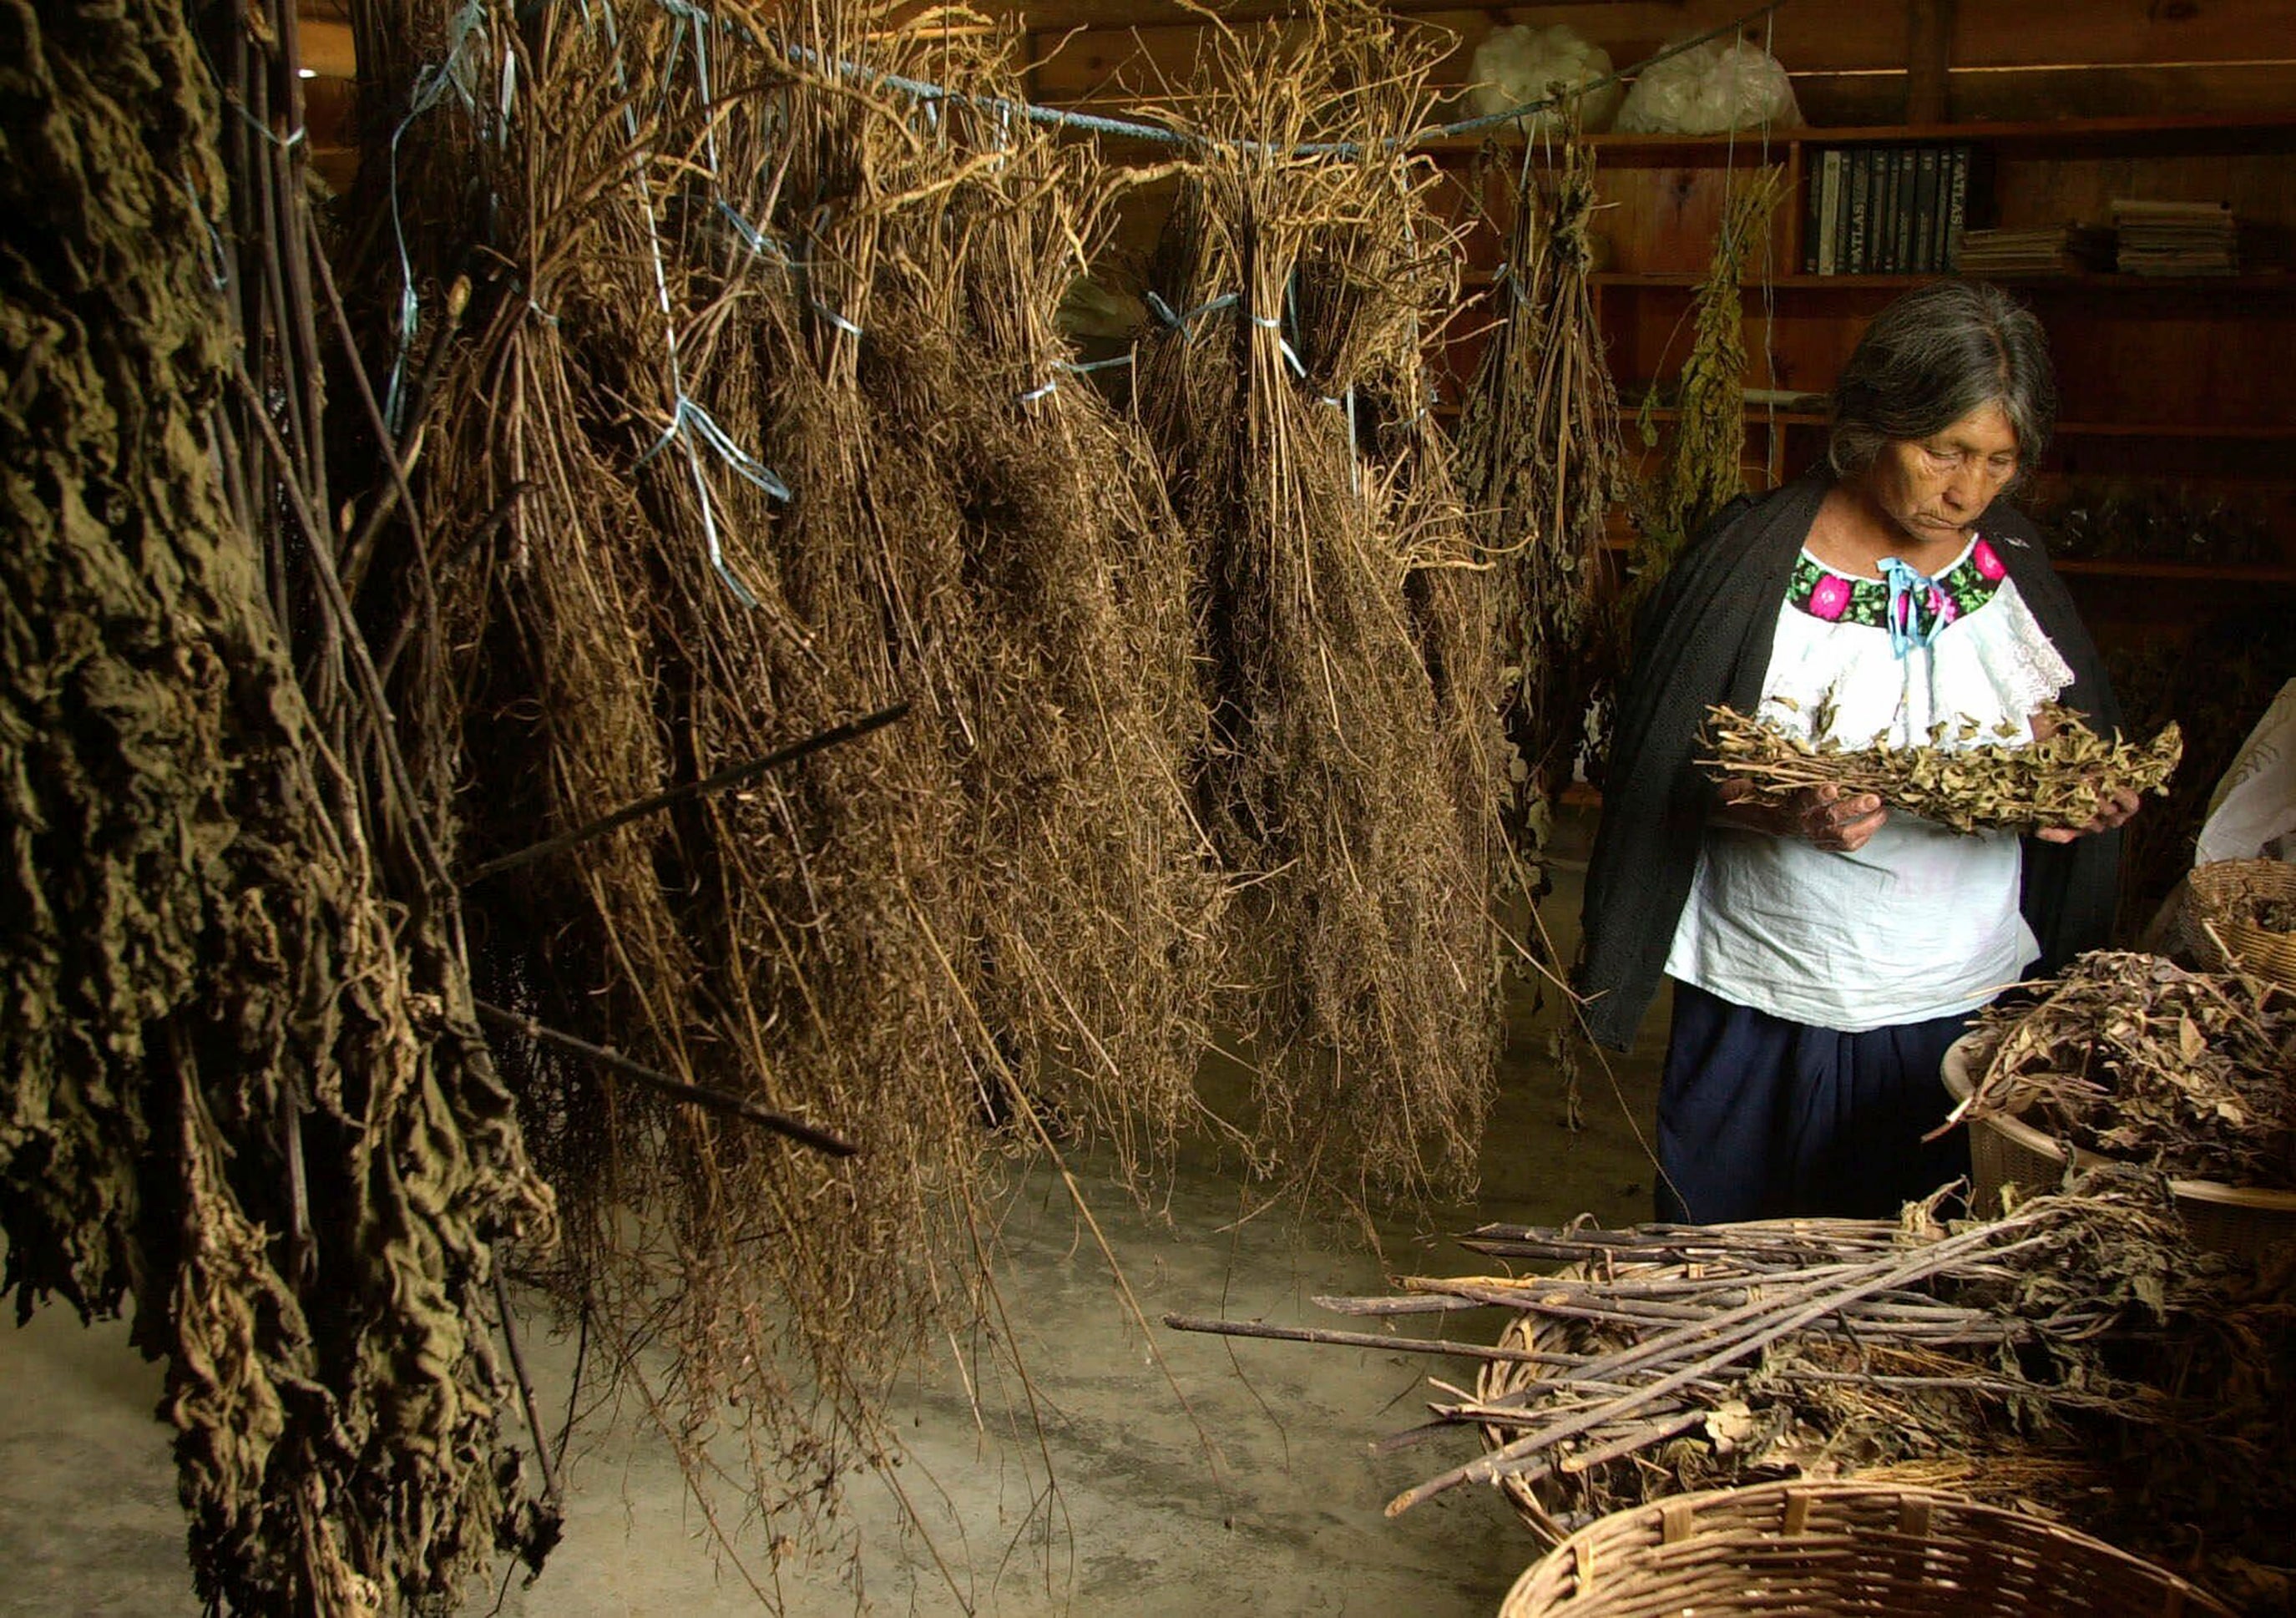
(1934,487)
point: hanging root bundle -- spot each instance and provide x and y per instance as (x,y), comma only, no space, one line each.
(2187,1073)
(1354,771)
(245,1090)
(2063,778)
(1539,463)
(1704,467)
(765,424)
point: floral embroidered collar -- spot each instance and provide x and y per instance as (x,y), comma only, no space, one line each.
(1961,589)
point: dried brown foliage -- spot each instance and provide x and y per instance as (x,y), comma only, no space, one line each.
(2061,778)
(245,1094)
(2132,1057)
(2077,1357)
(765,422)
(1539,467)
(1346,627)
(1704,468)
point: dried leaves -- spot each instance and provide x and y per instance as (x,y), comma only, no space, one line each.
(1539,465)
(2129,1055)
(241,1086)
(2061,778)
(2076,1358)
(1353,774)
(1704,467)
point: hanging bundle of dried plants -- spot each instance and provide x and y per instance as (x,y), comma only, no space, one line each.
(246,1092)
(1539,467)
(2061,778)
(765,423)
(1705,465)
(2131,1056)
(1354,767)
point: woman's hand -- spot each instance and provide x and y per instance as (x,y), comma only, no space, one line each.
(2115,811)
(1820,815)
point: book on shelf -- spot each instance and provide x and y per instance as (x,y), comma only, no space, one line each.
(1924,212)
(1883,210)
(1901,211)
(1879,209)
(1825,235)
(2054,250)
(2176,238)
(1955,213)
(1855,230)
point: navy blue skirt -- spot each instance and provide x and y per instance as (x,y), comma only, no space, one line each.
(1760,1117)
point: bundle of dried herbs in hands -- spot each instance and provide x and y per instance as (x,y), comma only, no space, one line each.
(2064,777)
(2190,1074)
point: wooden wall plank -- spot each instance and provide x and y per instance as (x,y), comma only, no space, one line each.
(1848,57)
(2130,32)
(327,48)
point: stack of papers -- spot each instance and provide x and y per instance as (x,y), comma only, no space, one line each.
(2176,238)
(2057,249)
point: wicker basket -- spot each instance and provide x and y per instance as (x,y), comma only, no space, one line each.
(2213,895)
(1838,1548)
(2007,1153)
(1529,1330)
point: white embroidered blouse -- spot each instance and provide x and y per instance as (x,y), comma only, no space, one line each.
(1922,922)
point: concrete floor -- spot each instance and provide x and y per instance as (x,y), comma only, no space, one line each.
(1264,1499)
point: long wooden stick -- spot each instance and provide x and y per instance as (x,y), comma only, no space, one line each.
(732,776)
(701,1096)
(1370,1340)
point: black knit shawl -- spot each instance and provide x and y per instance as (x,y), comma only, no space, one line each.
(1704,639)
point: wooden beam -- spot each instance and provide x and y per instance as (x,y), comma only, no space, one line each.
(1061,16)
(328,51)
(1929,60)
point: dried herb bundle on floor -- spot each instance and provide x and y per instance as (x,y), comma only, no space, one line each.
(2061,778)
(1353,775)
(2076,1357)
(2190,1074)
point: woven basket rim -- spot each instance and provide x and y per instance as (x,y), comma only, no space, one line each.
(1760,1510)
(2213,932)
(1958,1082)
(2219,881)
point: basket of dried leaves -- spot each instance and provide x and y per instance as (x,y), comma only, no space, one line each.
(2063,778)
(2245,911)
(2132,1059)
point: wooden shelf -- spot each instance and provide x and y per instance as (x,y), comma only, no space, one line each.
(2259,432)
(2270,281)
(2232,132)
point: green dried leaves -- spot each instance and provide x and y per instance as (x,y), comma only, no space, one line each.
(2063,778)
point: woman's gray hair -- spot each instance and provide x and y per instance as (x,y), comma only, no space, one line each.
(1933,356)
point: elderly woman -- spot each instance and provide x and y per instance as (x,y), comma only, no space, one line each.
(1825,951)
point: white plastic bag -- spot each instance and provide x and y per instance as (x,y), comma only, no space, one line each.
(1722,85)
(2252,814)
(1516,64)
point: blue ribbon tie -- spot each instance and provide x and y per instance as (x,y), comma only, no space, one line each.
(1914,615)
